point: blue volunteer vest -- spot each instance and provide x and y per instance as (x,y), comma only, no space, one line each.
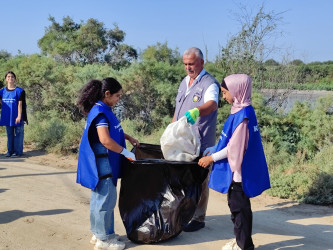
(87,174)
(255,178)
(9,110)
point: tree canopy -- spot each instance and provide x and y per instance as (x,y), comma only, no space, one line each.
(161,53)
(86,43)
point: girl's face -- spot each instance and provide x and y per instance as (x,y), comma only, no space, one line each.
(10,79)
(226,95)
(112,99)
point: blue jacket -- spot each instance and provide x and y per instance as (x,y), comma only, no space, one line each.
(87,174)
(255,178)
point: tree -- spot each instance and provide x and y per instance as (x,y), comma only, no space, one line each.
(60,41)
(118,54)
(86,43)
(5,55)
(247,49)
(296,62)
(161,53)
(271,62)
(92,41)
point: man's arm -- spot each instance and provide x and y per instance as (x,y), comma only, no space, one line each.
(202,110)
(207,108)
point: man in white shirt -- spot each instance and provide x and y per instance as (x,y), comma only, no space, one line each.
(197,99)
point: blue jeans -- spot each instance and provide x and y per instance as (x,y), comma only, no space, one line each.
(103,199)
(15,137)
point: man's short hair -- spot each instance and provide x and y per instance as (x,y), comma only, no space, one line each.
(194,50)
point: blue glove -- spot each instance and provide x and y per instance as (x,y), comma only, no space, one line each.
(210,150)
(192,115)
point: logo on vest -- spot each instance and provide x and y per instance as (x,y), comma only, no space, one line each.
(195,98)
(8,100)
(255,128)
(118,127)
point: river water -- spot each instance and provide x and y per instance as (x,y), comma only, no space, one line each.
(283,100)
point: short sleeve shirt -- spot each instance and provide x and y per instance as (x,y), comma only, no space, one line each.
(212,92)
(99,121)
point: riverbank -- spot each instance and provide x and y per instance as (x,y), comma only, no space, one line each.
(283,100)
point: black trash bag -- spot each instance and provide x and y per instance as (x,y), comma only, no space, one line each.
(158,197)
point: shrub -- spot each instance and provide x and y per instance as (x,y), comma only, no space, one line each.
(45,134)
(321,190)
(309,182)
(130,128)
(54,134)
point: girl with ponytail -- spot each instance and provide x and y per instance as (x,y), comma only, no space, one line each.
(102,155)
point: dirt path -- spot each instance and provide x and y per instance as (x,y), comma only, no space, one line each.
(41,207)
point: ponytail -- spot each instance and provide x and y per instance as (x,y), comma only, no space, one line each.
(89,95)
(94,91)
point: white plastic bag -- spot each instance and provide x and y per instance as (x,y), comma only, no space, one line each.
(180,141)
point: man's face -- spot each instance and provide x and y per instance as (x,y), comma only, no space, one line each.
(193,65)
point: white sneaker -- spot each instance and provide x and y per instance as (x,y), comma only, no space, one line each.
(231,245)
(93,239)
(112,244)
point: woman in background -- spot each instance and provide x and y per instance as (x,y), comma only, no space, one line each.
(13,115)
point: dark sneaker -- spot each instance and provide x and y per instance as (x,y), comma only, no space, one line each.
(8,154)
(16,155)
(194,225)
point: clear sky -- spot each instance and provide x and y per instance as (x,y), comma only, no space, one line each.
(307,24)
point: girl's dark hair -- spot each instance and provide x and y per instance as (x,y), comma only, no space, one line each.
(10,72)
(224,85)
(94,91)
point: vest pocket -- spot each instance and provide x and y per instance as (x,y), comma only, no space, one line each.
(180,96)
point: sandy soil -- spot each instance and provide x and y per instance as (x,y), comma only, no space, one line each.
(41,207)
